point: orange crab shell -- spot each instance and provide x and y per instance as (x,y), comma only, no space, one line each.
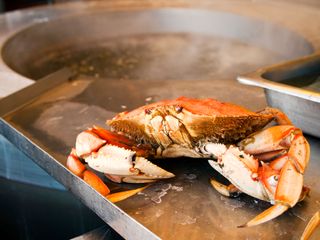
(200,118)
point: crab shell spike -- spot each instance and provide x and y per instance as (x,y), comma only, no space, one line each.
(196,118)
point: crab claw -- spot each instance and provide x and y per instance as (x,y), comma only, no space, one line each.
(123,165)
(275,141)
(117,156)
(75,165)
(288,193)
(268,140)
(241,170)
(279,181)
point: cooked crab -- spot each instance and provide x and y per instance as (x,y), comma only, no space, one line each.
(265,164)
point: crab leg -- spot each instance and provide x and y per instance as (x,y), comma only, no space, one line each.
(312,226)
(280,117)
(226,190)
(119,196)
(269,214)
(268,140)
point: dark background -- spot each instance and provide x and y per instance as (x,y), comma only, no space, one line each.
(10,5)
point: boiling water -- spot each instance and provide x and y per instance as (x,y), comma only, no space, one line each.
(159,57)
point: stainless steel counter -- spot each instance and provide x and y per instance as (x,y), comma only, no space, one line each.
(185,207)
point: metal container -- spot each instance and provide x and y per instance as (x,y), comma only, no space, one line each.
(293,87)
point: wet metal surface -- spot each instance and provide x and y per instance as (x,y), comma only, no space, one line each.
(183,207)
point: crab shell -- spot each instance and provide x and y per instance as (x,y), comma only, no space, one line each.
(185,122)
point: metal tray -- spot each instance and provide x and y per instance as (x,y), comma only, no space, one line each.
(44,119)
(294,87)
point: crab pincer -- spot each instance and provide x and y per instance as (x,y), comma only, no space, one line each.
(101,149)
(278,180)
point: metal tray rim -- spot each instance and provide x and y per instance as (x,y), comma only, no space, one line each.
(255,79)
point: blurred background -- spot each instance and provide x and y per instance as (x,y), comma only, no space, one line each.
(9,5)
